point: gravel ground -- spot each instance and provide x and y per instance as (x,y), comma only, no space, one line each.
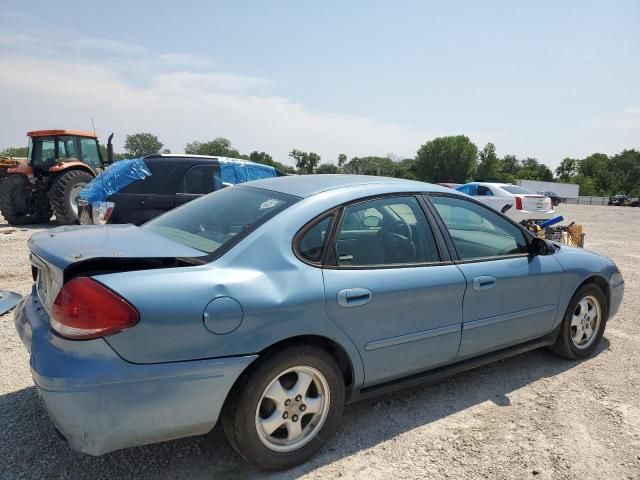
(531,415)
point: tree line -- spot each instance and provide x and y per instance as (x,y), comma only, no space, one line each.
(454,159)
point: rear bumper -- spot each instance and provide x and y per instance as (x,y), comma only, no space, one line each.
(101,403)
(520,215)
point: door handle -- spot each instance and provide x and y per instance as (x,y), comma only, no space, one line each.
(354,297)
(484,282)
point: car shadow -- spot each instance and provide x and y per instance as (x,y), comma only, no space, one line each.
(31,448)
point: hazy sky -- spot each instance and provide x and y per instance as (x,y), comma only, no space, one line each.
(546,79)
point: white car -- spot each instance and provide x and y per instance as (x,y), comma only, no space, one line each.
(514,201)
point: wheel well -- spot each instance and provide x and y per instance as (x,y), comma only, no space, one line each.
(333,348)
(601,283)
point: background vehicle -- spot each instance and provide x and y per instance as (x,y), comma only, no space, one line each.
(563,190)
(268,305)
(170,181)
(514,201)
(9,162)
(60,164)
(619,200)
(555,198)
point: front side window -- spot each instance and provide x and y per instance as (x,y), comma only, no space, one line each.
(311,244)
(385,231)
(468,189)
(214,223)
(478,232)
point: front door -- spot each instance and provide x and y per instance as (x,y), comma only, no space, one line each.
(511,296)
(391,292)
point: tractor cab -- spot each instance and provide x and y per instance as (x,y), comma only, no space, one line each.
(54,148)
(59,165)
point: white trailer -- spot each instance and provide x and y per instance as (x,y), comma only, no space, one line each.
(563,190)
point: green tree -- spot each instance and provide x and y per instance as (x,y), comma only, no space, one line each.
(342,159)
(141,144)
(489,164)
(625,173)
(509,166)
(596,167)
(327,168)
(447,159)
(218,147)
(15,152)
(266,159)
(306,162)
(567,169)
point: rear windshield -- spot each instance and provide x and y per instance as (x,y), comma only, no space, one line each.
(216,222)
(516,189)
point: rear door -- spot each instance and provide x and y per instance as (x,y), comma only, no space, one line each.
(391,291)
(144,199)
(511,296)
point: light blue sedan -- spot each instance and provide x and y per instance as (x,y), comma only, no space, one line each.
(272,304)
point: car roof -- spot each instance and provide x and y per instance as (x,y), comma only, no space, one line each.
(172,157)
(308,185)
(490,184)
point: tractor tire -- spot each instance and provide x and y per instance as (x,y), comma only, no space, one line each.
(15,202)
(64,193)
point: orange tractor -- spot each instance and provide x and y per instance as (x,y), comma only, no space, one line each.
(59,166)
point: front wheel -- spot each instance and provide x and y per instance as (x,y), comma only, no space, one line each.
(584,323)
(284,410)
(64,195)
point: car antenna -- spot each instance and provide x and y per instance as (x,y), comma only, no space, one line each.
(93,125)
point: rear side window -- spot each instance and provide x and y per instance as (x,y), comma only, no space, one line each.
(484,191)
(199,180)
(216,222)
(311,244)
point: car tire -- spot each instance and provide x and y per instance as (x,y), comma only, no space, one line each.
(583,324)
(17,205)
(264,416)
(63,195)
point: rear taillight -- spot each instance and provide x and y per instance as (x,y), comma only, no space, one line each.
(101,212)
(85,309)
(518,203)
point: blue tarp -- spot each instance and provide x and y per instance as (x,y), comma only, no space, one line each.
(237,171)
(115,178)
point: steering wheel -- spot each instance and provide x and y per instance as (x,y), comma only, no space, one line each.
(397,241)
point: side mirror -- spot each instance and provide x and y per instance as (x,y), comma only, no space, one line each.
(542,247)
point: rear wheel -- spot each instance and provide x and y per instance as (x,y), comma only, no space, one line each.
(21,206)
(64,195)
(282,412)
(584,323)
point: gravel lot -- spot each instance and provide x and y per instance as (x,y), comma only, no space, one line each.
(531,415)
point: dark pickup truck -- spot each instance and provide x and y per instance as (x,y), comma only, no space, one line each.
(141,189)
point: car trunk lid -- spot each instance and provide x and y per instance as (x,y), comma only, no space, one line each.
(63,253)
